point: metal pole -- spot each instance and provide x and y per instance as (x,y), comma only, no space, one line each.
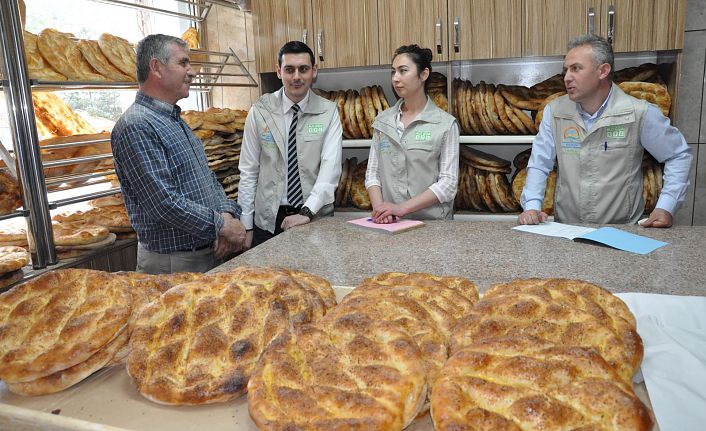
(24,132)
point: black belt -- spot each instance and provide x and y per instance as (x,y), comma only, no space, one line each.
(289,210)
(199,248)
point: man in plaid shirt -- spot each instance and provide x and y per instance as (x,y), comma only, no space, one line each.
(183,220)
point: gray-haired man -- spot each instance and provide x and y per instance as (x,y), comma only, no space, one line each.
(598,135)
(183,220)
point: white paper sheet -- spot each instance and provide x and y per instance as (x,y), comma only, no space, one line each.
(551,228)
(673,331)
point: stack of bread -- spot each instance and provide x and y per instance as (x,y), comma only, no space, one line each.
(542,354)
(482,182)
(55,56)
(62,326)
(520,176)
(59,328)
(436,89)
(351,185)
(10,196)
(357,109)
(98,227)
(483,109)
(370,363)
(13,254)
(651,181)
(656,94)
(221,132)
(57,123)
(487,109)
(12,258)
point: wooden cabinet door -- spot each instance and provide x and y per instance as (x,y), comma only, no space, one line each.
(403,22)
(345,33)
(480,29)
(550,24)
(276,22)
(644,25)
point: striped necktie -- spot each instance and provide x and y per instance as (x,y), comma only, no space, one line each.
(294,186)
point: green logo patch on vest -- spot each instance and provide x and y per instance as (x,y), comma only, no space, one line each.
(421,135)
(315,128)
(615,133)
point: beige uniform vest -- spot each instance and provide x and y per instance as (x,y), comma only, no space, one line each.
(600,175)
(409,164)
(272,178)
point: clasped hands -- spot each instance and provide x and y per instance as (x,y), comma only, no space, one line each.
(387,212)
(231,237)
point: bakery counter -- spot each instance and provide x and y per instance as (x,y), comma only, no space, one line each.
(485,252)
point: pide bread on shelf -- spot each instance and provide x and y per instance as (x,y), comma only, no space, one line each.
(54,56)
(12,258)
(490,109)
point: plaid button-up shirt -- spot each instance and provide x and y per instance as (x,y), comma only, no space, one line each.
(173,199)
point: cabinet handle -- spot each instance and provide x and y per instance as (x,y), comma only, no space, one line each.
(304,35)
(456,25)
(591,17)
(611,23)
(437,34)
(320,44)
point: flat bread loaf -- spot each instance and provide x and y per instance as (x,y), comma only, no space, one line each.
(12,258)
(64,379)
(198,342)
(68,234)
(93,54)
(37,67)
(57,320)
(64,56)
(514,384)
(10,197)
(120,53)
(548,320)
(350,373)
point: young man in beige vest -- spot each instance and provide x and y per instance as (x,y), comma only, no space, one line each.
(598,135)
(290,160)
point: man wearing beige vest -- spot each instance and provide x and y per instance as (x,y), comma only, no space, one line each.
(598,135)
(290,160)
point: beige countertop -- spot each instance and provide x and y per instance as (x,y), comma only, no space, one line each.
(486,253)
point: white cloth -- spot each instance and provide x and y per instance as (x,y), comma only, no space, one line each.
(673,331)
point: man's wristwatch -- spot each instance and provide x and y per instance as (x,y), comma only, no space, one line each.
(305,211)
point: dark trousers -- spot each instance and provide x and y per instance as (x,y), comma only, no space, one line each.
(260,235)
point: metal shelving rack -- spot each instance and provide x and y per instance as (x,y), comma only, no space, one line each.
(19,87)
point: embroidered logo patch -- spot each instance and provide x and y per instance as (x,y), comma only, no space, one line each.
(266,139)
(421,135)
(571,134)
(384,146)
(615,133)
(571,142)
(315,128)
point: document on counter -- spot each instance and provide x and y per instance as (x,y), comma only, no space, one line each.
(401,225)
(609,236)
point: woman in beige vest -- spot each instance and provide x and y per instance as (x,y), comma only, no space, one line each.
(413,161)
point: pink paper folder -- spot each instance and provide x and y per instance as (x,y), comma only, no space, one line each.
(391,228)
